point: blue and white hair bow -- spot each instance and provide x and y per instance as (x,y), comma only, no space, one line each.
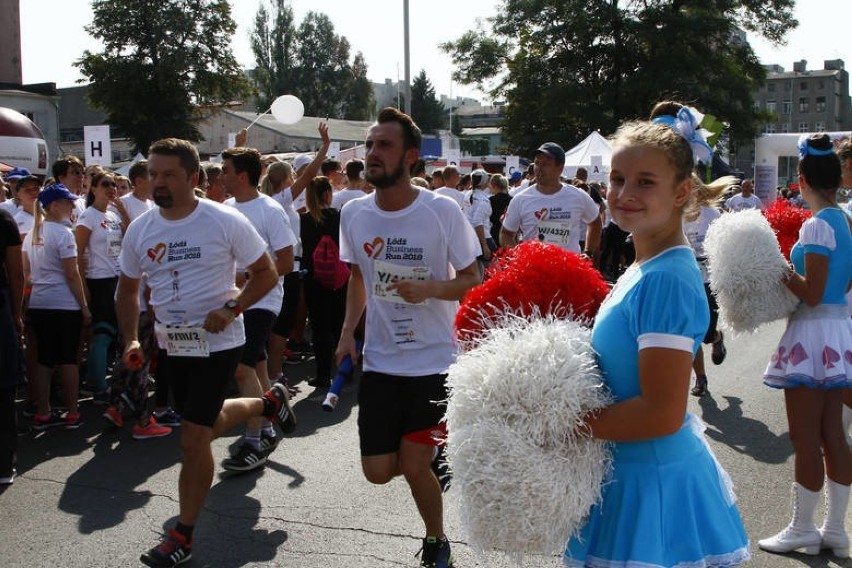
(806,149)
(686,123)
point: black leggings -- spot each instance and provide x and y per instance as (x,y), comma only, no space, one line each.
(326,309)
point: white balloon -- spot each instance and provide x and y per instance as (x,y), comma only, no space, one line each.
(288,109)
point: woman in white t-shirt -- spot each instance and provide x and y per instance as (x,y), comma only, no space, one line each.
(57,305)
(98,235)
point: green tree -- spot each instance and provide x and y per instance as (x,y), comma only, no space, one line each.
(360,102)
(575,66)
(159,61)
(311,61)
(426,109)
(274,51)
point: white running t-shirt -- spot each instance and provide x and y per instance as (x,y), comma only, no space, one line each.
(133,205)
(452,193)
(696,231)
(50,286)
(559,218)
(344,196)
(270,221)
(190,264)
(104,243)
(427,240)
(738,202)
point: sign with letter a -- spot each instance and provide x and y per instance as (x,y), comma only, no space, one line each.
(96,143)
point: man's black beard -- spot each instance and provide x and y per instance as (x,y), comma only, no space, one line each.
(165,201)
(387,180)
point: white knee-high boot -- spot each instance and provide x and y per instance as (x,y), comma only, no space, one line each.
(833,530)
(801,532)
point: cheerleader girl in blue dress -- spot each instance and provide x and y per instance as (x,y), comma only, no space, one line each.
(668,502)
(813,361)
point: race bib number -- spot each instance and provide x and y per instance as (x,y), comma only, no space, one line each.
(385,274)
(114,244)
(554,232)
(183,341)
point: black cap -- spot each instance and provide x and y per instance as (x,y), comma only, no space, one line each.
(553,150)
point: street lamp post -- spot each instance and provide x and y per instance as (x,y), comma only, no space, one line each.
(407,61)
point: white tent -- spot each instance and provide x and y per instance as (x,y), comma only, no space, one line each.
(593,153)
(125,169)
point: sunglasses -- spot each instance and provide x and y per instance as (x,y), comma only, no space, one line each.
(106,183)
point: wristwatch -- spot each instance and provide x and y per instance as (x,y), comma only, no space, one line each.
(234,307)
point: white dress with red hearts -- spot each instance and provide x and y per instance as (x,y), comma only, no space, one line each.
(816,348)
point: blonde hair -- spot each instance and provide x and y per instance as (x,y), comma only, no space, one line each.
(420,182)
(276,172)
(679,154)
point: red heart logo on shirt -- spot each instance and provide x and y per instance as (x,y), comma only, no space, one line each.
(156,254)
(375,248)
(541,214)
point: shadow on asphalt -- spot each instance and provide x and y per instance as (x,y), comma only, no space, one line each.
(741,433)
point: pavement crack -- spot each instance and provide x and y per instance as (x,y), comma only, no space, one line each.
(98,488)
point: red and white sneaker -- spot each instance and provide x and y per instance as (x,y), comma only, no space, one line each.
(150,430)
(113,415)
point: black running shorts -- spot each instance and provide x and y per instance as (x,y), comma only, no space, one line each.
(392,408)
(199,383)
(258,324)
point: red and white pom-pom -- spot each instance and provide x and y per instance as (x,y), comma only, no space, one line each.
(746,270)
(532,278)
(786,219)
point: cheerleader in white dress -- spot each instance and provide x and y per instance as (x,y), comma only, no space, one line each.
(813,360)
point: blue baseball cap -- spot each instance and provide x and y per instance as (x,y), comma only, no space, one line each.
(516,176)
(16,173)
(56,191)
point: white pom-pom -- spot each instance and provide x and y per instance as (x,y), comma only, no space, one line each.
(525,471)
(746,269)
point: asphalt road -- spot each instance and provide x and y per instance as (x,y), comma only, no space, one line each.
(96,497)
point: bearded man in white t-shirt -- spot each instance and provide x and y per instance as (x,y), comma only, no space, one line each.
(413,256)
(550,211)
(188,249)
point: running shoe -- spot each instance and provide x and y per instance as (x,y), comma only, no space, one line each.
(29,409)
(101,397)
(436,553)
(247,459)
(52,420)
(113,415)
(174,550)
(73,420)
(279,396)
(268,444)
(700,388)
(9,479)
(151,430)
(330,402)
(292,358)
(300,347)
(168,418)
(719,351)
